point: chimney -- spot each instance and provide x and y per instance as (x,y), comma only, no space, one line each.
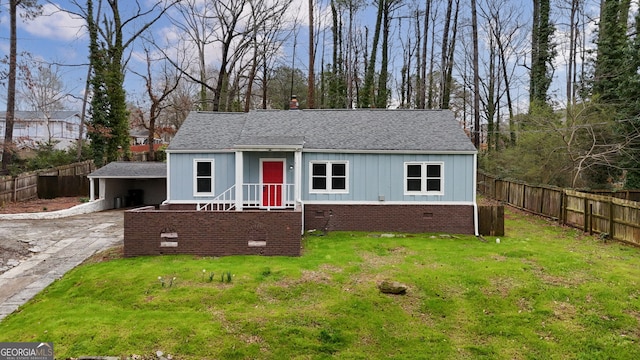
(293,104)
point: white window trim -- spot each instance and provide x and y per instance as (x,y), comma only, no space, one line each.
(195,178)
(423,177)
(328,164)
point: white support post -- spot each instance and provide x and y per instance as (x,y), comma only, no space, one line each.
(239,180)
(297,157)
(92,190)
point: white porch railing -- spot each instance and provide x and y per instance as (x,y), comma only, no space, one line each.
(254,195)
(224,201)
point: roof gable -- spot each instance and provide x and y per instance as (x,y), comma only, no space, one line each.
(344,130)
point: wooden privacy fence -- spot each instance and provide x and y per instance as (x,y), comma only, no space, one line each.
(20,188)
(67,180)
(491,220)
(607,215)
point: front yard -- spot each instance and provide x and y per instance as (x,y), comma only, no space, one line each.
(543,291)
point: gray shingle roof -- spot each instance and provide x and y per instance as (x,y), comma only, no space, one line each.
(131,170)
(356,130)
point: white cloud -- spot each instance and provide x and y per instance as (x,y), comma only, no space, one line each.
(55,24)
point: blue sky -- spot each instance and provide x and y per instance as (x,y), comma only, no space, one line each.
(54,37)
(59,37)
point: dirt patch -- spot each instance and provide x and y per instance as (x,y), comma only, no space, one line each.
(40,205)
(12,248)
(116,252)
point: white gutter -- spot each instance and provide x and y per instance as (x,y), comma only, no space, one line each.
(475,200)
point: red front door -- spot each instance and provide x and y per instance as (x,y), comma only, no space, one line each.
(272,181)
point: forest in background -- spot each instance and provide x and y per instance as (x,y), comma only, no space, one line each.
(546,89)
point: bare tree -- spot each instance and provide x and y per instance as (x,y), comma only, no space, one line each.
(448,50)
(267,24)
(179,103)
(422,87)
(32,9)
(43,91)
(237,27)
(194,19)
(476,75)
(501,21)
(311,103)
(157,91)
(111,36)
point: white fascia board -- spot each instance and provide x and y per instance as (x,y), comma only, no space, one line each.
(127,177)
(328,202)
(421,152)
(268,147)
(195,151)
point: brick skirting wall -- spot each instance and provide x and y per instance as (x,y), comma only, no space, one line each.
(211,233)
(453,219)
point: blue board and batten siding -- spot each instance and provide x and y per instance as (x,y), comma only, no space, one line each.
(370,175)
(181,175)
(181,172)
(374,175)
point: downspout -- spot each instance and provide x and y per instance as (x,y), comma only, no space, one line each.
(297,165)
(475,203)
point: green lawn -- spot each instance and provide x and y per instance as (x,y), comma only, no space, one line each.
(543,292)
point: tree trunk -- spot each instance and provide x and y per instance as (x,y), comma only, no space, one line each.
(311,95)
(448,73)
(476,76)
(367,94)
(423,76)
(431,65)
(383,94)
(443,53)
(7,150)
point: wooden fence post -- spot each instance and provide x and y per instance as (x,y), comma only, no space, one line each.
(611,218)
(590,219)
(584,213)
(561,210)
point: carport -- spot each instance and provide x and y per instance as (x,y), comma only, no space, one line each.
(130,183)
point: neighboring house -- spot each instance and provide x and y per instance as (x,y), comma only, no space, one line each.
(250,183)
(141,137)
(33,127)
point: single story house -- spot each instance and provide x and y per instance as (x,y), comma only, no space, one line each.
(251,183)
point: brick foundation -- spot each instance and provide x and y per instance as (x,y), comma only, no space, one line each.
(454,219)
(211,233)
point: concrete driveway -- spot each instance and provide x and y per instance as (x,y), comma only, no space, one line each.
(53,247)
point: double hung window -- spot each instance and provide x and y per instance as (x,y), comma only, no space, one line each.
(329,176)
(423,178)
(203,177)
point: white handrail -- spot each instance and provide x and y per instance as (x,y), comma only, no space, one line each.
(224,201)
